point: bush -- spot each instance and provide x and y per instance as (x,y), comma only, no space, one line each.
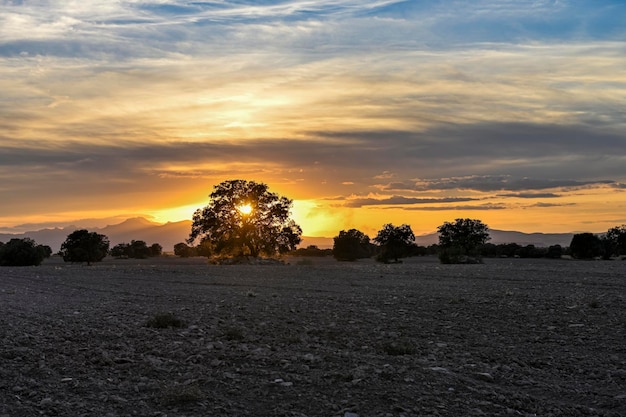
(312,251)
(165,320)
(183,250)
(456,255)
(23,252)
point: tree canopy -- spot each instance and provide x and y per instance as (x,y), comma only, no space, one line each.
(460,240)
(137,249)
(84,246)
(350,245)
(616,237)
(395,242)
(243,218)
(23,252)
(585,246)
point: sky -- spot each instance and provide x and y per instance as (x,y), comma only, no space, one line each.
(363,112)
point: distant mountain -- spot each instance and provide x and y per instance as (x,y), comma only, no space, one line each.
(505,236)
(171,233)
(497,237)
(166,235)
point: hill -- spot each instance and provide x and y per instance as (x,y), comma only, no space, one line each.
(168,234)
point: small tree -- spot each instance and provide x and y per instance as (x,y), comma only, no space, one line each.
(460,241)
(84,246)
(183,250)
(139,249)
(156,250)
(23,252)
(617,237)
(585,246)
(203,249)
(394,242)
(121,250)
(351,245)
(244,218)
(554,252)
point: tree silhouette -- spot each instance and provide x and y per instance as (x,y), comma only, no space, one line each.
(617,238)
(350,245)
(23,252)
(460,241)
(585,246)
(84,246)
(244,218)
(395,242)
(183,250)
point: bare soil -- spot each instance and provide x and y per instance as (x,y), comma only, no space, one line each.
(510,337)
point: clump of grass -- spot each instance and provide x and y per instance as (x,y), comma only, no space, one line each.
(180,395)
(165,320)
(594,304)
(304,262)
(233,333)
(399,348)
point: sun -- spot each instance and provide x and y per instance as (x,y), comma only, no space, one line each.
(245,209)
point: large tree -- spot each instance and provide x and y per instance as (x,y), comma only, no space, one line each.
(395,242)
(460,241)
(84,246)
(244,218)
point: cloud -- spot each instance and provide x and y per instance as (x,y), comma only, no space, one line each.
(530,195)
(400,200)
(128,98)
(479,207)
(491,183)
(545,205)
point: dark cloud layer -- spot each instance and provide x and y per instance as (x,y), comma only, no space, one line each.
(469,158)
(400,200)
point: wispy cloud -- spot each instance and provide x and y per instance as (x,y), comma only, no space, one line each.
(530,195)
(458,208)
(491,183)
(400,200)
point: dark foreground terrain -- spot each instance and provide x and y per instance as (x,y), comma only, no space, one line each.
(506,338)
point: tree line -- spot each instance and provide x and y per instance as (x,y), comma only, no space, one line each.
(244,219)
(80,246)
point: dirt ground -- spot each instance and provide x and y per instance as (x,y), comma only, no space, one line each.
(510,337)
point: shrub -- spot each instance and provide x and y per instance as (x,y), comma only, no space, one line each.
(165,320)
(23,252)
(399,347)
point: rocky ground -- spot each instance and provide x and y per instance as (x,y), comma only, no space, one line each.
(510,337)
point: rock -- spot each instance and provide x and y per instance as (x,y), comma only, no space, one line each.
(46,402)
(484,376)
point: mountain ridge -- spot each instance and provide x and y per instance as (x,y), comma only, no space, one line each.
(170,233)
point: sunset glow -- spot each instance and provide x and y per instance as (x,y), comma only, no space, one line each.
(363,113)
(245,209)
